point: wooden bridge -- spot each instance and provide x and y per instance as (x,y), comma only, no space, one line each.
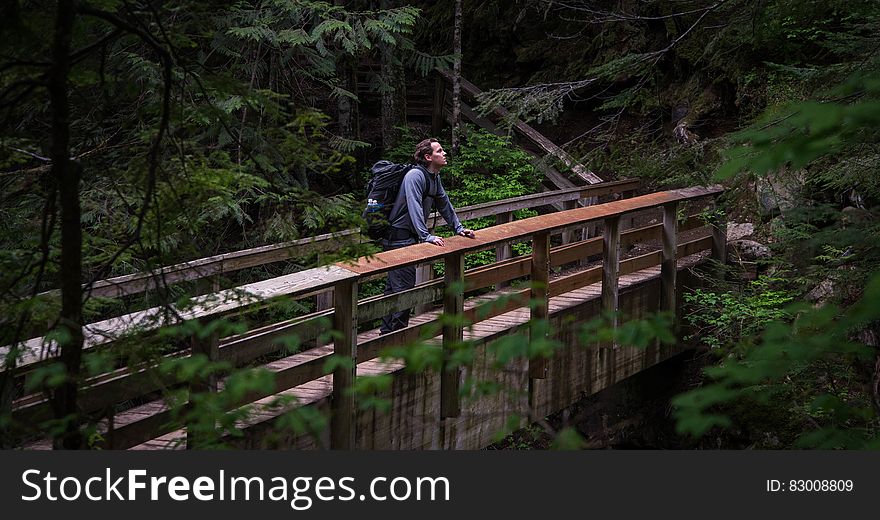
(429,409)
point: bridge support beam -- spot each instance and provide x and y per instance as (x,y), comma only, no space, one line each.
(539,314)
(540,301)
(343,414)
(453,334)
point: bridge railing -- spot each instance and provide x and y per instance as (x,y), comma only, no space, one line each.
(126,383)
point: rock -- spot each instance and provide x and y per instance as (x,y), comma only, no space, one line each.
(852,215)
(747,251)
(779,191)
(821,292)
(736,231)
(834,285)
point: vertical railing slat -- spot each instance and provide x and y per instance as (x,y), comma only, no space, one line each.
(503,251)
(570,234)
(424,273)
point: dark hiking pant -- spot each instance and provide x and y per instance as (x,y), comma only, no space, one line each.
(398,280)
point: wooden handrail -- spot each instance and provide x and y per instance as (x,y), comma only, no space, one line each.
(219,264)
(521,229)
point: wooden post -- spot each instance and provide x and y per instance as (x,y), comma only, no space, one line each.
(210,347)
(453,334)
(610,273)
(343,418)
(503,251)
(668,266)
(719,241)
(540,304)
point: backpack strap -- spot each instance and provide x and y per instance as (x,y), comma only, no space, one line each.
(426,175)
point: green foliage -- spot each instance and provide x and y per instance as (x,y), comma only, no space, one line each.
(724,318)
(775,362)
(370,390)
(784,350)
(488,168)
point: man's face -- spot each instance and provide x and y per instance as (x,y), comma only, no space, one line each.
(437,158)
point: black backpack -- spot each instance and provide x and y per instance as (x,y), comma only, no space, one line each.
(381,194)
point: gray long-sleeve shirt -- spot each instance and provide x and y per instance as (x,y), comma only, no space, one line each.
(415,200)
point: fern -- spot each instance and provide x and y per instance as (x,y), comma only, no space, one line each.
(294,37)
(425,63)
(347,146)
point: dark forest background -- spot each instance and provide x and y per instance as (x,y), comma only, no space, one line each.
(135,135)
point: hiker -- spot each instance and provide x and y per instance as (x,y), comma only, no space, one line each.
(420,191)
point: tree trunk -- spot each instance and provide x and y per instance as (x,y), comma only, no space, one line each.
(346,106)
(456,80)
(66,174)
(393,93)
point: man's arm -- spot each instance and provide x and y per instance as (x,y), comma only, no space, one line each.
(444,206)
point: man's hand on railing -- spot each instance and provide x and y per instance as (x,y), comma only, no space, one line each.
(437,241)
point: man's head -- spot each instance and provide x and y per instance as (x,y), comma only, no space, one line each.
(430,154)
